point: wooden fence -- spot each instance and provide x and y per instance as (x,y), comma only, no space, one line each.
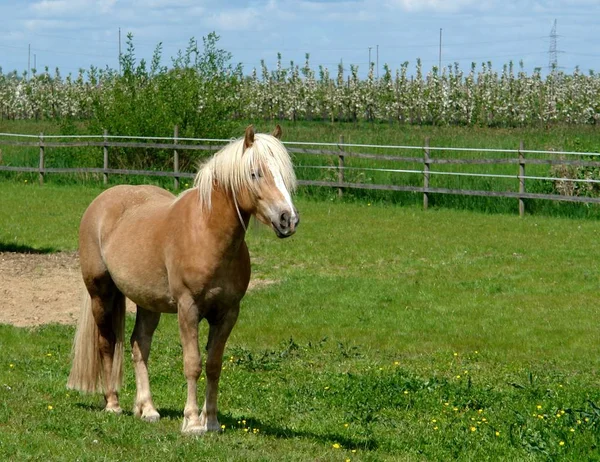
(339,152)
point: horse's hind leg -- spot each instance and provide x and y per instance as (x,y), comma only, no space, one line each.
(109,314)
(141,339)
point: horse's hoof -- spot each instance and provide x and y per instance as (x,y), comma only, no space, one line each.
(151,417)
(193,429)
(147,415)
(113,410)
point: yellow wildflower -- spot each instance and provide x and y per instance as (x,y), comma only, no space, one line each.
(336,446)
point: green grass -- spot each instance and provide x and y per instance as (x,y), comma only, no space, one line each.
(392,332)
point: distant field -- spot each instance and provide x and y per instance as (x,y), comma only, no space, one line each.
(389,333)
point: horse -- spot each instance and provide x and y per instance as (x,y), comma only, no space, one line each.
(183,254)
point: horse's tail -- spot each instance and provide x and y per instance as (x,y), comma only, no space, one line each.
(87,370)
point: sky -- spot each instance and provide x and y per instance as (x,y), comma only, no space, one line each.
(74,34)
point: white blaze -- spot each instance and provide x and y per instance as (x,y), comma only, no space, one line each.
(281,186)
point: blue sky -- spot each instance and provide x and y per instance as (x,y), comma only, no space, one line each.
(70,34)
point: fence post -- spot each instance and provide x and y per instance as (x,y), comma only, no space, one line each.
(521,179)
(341,166)
(42,154)
(105,152)
(426,165)
(175,159)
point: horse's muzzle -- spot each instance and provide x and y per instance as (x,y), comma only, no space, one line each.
(286,225)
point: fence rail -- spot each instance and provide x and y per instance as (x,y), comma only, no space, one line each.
(338,151)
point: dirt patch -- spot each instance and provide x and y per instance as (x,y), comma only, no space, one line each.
(47,288)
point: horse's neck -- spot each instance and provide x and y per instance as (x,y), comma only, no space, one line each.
(221,222)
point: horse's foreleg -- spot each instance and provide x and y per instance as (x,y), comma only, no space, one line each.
(141,339)
(188,319)
(217,338)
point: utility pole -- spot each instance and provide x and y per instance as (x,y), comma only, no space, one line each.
(440,56)
(119,51)
(370,56)
(377,62)
(35,61)
(28,60)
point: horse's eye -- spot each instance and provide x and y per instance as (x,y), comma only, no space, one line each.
(256,175)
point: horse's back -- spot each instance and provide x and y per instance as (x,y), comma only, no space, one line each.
(113,205)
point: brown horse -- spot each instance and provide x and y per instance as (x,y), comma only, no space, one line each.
(184,255)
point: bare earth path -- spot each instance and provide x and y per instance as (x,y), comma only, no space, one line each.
(39,288)
(47,288)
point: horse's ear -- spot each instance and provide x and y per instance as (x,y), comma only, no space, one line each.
(277,132)
(249,137)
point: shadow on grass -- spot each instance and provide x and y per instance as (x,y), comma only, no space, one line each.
(363,443)
(18,248)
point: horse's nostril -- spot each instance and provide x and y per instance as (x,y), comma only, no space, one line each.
(285,219)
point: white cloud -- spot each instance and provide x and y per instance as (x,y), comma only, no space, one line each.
(236,19)
(70,7)
(442,6)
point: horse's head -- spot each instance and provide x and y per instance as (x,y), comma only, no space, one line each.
(271,181)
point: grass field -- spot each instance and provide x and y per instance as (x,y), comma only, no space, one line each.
(389,334)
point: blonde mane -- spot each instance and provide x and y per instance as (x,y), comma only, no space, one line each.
(231,168)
